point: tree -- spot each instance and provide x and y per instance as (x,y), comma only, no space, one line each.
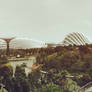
(21,81)
(6,74)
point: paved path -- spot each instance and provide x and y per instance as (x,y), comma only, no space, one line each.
(89,90)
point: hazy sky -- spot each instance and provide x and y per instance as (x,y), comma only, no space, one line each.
(45,20)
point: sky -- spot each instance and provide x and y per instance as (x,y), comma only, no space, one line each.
(45,20)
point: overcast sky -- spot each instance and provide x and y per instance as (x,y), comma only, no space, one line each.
(45,20)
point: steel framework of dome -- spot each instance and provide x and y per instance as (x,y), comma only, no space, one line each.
(75,39)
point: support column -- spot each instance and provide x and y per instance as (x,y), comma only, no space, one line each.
(7,40)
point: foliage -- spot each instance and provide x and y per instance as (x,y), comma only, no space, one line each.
(77,60)
(21,81)
(62,69)
(3,60)
(50,88)
(4,90)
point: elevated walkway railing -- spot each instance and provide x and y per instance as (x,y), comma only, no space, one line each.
(85,87)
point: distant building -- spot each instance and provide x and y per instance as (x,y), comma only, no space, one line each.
(26,43)
(23,43)
(53,45)
(71,39)
(75,39)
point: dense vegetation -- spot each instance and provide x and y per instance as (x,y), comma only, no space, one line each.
(60,69)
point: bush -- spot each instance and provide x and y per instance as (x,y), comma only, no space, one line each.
(50,88)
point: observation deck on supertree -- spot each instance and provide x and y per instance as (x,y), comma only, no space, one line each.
(7,40)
